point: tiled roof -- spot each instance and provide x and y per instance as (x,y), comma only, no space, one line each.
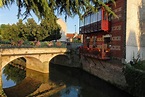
(70,35)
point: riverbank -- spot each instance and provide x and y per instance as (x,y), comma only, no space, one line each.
(110,70)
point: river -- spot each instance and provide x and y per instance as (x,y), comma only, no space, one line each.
(60,82)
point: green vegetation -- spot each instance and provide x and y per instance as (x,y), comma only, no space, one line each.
(30,31)
(135,76)
(135,79)
(138,63)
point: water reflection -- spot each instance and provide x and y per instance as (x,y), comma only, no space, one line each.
(72,91)
(12,75)
(60,82)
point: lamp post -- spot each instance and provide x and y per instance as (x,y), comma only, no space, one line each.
(75,28)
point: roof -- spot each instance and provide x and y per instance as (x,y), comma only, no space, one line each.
(69,35)
(73,35)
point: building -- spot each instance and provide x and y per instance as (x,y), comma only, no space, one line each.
(74,37)
(121,38)
(63,29)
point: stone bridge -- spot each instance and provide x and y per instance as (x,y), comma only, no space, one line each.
(36,58)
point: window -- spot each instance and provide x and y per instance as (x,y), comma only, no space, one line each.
(85,20)
(106,1)
(100,15)
(88,19)
(88,41)
(92,17)
(94,41)
(81,23)
(95,17)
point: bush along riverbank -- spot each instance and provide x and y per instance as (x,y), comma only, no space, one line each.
(135,79)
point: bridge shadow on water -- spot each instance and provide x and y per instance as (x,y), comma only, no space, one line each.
(62,82)
(26,87)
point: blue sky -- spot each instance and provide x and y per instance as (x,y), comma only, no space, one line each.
(10,16)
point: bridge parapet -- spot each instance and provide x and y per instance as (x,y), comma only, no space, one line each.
(33,51)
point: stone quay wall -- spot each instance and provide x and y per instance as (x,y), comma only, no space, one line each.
(110,70)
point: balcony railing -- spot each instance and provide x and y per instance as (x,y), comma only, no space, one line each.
(95,52)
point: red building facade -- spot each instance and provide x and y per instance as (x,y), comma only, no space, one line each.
(104,36)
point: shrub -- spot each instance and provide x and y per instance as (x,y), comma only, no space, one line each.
(50,44)
(138,63)
(37,43)
(135,79)
(58,43)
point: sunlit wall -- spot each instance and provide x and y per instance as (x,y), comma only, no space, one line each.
(135,29)
(63,29)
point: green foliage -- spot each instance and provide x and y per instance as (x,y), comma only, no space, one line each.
(1,37)
(76,40)
(136,80)
(27,43)
(30,31)
(137,63)
(1,4)
(49,8)
(140,65)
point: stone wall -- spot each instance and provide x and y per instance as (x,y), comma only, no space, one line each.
(110,71)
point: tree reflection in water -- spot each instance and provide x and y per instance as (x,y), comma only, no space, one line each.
(13,73)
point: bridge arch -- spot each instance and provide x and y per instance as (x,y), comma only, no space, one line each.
(61,59)
(7,60)
(38,62)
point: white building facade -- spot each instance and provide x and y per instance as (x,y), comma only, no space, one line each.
(63,29)
(135,29)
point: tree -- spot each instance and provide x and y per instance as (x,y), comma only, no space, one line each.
(49,8)
(50,31)
(30,31)
(1,4)
(22,30)
(55,35)
(10,32)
